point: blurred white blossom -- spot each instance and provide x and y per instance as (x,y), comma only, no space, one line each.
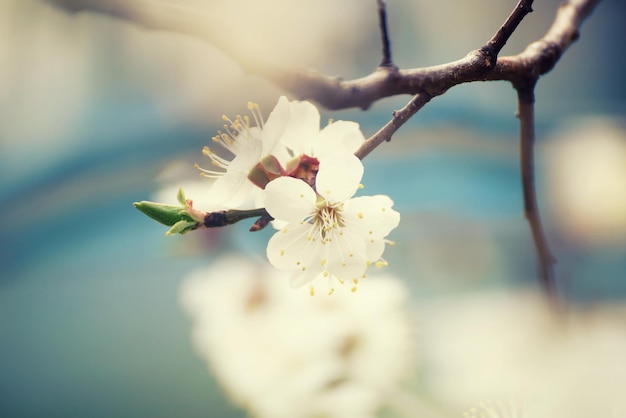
(497,409)
(280,353)
(586,181)
(496,345)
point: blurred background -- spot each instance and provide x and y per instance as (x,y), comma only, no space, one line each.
(96,113)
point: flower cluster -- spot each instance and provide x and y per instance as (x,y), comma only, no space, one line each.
(278,354)
(305,178)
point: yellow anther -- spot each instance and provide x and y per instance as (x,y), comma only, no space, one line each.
(323,262)
(360,215)
(353,289)
(311,291)
(361,186)
(331,291)
(282,252)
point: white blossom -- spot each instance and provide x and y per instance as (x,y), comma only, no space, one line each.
(585,168)
(498,345)
(292,131)
(247,143)
(302,135)
(280,353)
(328,233)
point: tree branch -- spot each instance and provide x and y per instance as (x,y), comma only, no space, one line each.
(399,118)
(384,33)
(333,93)
(526,116)
(497,42)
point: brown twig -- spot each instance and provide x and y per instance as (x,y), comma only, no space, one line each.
(384,34)
(399,118)
(487,54)
(497,42)
(526,104)
(333,93)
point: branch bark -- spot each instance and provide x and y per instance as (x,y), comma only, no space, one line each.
(333,93)
(384,34)
(526,115)
(399,118)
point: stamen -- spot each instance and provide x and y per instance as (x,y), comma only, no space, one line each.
(208,173)
(255,110)
(233,138)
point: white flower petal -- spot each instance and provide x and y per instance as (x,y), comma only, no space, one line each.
(300,278)
(345,255)
(248,155)
(340,136)
(289,199)
(375,249)
(371,215)
(293,249)
(302,127)
(232,190)
(275,125)
(338,178)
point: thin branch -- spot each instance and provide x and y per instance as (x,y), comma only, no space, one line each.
(531,210)
(384,33)
(399,118)
(333,93)
(497,42)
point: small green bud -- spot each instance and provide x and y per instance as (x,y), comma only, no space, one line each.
(165,214)
(182,227)
(181,197)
